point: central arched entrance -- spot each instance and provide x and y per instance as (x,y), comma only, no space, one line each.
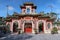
(15,26)
(28,28)
(41,27)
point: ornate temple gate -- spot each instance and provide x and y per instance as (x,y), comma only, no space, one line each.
(28,28)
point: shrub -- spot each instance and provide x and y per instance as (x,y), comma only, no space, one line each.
(19,31)
(35,31)
(54,30)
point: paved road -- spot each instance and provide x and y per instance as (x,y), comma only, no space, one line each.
(17,37)
(46,37)
(32,37)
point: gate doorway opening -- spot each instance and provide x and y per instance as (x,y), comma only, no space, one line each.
(28,28)
(41,28)
(15,26)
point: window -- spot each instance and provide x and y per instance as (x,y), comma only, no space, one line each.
(28,10)
(48,25)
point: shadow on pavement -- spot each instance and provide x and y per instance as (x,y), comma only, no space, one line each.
(18,37)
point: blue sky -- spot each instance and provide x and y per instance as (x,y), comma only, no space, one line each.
(42,5)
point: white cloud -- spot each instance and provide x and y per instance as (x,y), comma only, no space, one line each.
(10,8)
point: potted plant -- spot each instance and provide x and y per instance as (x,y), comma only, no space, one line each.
(35,31)
(19,31)
(54,30)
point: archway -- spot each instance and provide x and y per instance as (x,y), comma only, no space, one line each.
(40,27)
(28,28)
(15,26)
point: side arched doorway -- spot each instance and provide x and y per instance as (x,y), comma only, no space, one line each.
(15,26)
(28,28)
(41,27)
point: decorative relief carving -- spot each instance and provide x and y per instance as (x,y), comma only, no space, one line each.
(34,22)
(26,21)
(28,18)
